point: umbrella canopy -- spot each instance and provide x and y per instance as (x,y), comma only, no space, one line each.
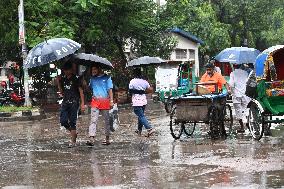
(145,60)
(263,58)
(49,51)
(92,59)
(238,55)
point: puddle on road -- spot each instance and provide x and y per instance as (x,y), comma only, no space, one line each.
(35,155)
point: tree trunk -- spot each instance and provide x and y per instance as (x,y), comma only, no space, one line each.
(120,47)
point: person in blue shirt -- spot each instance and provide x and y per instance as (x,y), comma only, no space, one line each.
(102,101)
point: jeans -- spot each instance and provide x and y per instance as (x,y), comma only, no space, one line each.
(142,120)
(69,115)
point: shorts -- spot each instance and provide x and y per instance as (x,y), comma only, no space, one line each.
(69,115)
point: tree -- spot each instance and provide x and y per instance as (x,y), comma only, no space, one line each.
(200,19)
(275,32)
(248,19)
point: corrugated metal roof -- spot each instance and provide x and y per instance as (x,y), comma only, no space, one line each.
(187,35)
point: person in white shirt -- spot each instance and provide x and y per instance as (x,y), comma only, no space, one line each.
(238,79)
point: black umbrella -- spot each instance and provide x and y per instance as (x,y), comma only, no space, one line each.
(145,60)
(92,59)
(49,51)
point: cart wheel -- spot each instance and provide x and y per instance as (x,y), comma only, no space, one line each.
(175,127)
(188,128)
(228,118)
(214,123)
(156,99)
(169,106)
(255,121)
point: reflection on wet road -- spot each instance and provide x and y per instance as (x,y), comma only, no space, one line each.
(35,155)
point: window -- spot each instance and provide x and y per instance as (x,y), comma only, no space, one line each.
(191,54)
(181,54)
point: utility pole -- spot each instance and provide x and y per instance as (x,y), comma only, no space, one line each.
(22,42)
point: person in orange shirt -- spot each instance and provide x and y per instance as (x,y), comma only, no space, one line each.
(211,76)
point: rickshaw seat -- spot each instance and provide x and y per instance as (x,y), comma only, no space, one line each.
(274,88)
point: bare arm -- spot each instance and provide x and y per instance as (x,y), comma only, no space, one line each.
(82,97)
(110,93)
(58,80)
(228,88)
(149,90)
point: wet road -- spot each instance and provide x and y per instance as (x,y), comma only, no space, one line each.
(35,155)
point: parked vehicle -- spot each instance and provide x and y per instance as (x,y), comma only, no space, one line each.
(5,96)
(194,108)
(11,98)
(174,81)
(266,87)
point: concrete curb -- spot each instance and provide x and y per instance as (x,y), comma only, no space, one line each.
(22,116)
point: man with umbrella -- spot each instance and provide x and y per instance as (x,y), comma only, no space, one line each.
(72,92)
(102,95)
(53,50)
(102,101)
(237,82)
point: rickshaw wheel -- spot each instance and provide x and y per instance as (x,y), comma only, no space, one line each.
(228,118)
(255,120)
(214,123)
(188,128)
(175,127)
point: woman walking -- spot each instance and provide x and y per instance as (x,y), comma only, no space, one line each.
(138,87)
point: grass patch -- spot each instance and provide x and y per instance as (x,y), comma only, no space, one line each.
(15,109)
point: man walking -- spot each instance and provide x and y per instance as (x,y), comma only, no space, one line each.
(237,82)
(72,92)
(102,101)
(139,87)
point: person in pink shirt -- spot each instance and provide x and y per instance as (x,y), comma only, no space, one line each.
(138,87)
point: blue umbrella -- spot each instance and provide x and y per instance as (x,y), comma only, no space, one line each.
(238,55)
(49,51)
(262,58)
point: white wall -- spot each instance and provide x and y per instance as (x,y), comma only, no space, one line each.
(184,43)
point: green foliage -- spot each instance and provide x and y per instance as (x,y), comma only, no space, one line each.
(104,27)
(275,32)
(15,109)
(200,19)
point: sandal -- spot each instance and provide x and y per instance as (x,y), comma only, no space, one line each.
(150,132)
(72,145)
(138,132)
(90,143)
(105,142)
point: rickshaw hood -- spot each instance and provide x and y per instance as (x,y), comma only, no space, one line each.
(263,58)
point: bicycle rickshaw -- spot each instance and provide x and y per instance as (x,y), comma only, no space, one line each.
(194,108)
(268,93)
